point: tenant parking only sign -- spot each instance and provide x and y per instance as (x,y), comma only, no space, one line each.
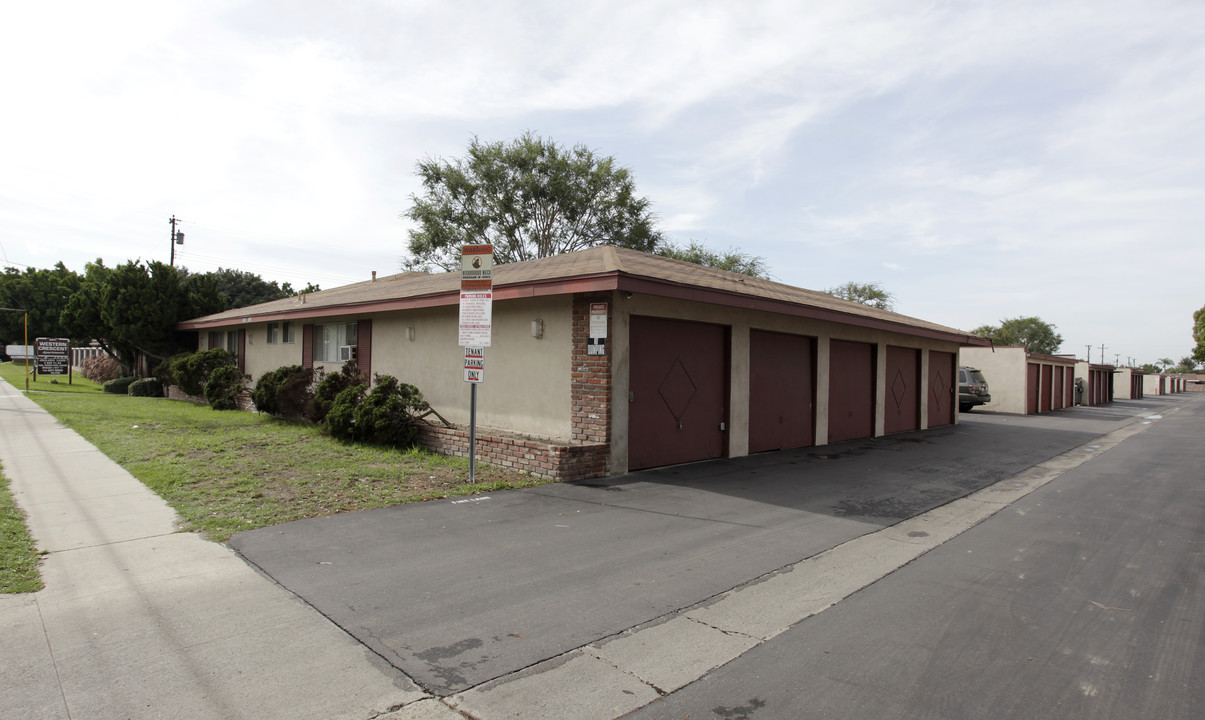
(52,356)
(474,364)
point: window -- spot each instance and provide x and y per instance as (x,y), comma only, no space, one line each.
(232,342)
(332,336)
(281,332)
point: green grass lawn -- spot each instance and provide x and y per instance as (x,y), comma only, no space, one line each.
(229,471)
(18,553)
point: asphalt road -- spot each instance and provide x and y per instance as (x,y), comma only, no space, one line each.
(458,592)
(1081,600)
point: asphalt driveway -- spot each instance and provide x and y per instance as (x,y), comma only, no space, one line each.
(457,592)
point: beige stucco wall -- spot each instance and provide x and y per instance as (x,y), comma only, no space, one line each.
(1123,384)
(1150,385)
(1005,372)
(526,387)
(526,382)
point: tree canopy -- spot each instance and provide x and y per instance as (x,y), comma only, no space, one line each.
(1198,335)
(1032,332)
(871,294)
(43,293)
(733,260)
(239,288)
(529,198)
(133,308)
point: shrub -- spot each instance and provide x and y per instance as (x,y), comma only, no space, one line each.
(101,369)
(285,391)
(341,419)
(146,387)
(119,386)
(225,386)
(192,371)
(163,371)
(329,388)
(384,415)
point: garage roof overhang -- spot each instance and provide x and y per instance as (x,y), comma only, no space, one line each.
(443,290)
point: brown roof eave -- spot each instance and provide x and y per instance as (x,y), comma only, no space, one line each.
(1052,359)
(661,288)
(303,312)
(539,288)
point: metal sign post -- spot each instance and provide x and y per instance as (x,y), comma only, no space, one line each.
(476,311)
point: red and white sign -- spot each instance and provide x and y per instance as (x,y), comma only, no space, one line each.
(474,364)
(476,310)
(476,295)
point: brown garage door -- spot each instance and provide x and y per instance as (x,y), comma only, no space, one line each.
(1047,388)
(1033,377)
(942,395)
(850,390)
(679,392)
(1057,396)
(903,389)
(781,391)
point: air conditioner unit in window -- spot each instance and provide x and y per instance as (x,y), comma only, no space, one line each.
(347,352)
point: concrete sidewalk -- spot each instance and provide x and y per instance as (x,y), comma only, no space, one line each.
(139,621)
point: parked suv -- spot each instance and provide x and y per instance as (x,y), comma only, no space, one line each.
(972,389)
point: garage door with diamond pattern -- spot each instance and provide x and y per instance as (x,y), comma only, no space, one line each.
(903,389)
(942,377)
(679,390)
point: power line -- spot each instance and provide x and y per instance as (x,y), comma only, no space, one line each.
(185,257)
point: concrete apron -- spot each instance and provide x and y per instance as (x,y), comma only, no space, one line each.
(622,673)
(140,621)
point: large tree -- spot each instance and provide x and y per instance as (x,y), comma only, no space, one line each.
(133,308)
(871,294)
(240,288)
(529,198)
(732,260)
(43,293)
(1032,332)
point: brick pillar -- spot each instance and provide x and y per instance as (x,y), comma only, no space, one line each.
(591,376)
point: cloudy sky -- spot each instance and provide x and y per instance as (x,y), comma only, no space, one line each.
(981,160)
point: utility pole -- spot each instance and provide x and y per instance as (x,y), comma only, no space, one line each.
(1102,353)
(1089,356)
(177,238)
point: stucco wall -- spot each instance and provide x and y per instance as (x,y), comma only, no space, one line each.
(1005,372)
(526,386)
(1123,384)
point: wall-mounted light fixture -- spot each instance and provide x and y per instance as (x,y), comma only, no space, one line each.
(537,328)
(410,333)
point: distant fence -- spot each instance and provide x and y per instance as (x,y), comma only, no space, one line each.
(80,354)
(18,353)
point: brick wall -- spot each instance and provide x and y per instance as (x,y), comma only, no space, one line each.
(541,458)
(175,393)
(590,377)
